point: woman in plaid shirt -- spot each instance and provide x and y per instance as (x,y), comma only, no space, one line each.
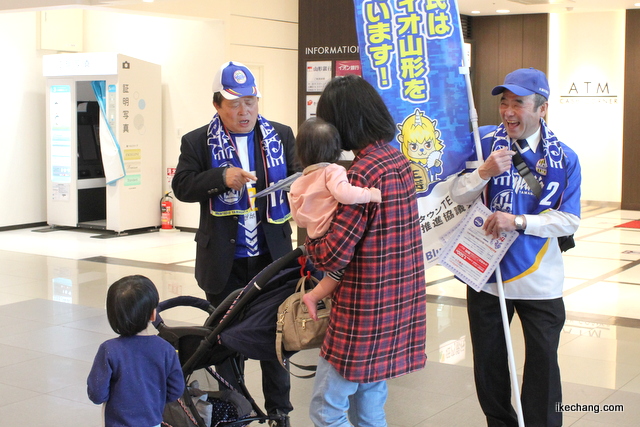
(377,327)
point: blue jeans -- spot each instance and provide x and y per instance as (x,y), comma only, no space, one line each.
(333,396)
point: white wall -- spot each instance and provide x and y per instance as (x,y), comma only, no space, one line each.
(278,67)
(278,10)
(189,51)
(22,131)
(587,50)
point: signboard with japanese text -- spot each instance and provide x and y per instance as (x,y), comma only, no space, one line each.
(412,52)
(348,67)
(318,75)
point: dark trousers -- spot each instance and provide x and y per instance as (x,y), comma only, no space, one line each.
(276,382)
(542,322)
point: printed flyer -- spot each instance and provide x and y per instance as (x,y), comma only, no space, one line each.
(472,255)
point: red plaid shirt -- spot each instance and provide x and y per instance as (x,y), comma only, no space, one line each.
(377,328)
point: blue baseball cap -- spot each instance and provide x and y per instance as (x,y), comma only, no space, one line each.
(524,82)
(234,80)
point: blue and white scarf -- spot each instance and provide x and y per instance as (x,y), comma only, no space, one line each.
(224,153)
(549,170)
(509,192)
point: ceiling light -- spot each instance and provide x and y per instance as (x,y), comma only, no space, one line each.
(502,11)
(475,11)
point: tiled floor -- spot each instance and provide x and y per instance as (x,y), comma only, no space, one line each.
(53,285)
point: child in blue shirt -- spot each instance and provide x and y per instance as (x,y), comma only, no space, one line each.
(137,373)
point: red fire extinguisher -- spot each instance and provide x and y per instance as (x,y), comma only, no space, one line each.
(166,209)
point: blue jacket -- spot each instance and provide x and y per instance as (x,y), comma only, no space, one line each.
(136,376)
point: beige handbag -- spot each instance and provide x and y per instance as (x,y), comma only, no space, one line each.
(295,329)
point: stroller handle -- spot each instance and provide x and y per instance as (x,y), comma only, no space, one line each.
(260,280)
(184,300)
(272,269)
(254,287)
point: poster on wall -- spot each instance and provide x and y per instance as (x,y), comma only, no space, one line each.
(318,75)
(412,53)
(311,105)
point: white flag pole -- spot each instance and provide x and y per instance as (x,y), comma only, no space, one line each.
(473,116)
(507,337)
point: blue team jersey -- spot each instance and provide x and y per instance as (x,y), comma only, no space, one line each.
(533,267)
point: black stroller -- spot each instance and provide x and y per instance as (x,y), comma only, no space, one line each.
(243,326)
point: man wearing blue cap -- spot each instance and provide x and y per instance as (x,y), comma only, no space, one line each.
(221,165)
(532,184)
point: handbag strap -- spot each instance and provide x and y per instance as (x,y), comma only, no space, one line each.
(302,283)
(284,361)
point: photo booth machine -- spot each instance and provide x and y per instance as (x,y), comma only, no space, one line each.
(104,141)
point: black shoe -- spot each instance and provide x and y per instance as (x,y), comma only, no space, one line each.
(281,421)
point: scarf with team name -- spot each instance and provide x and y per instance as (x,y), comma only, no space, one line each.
(225,154)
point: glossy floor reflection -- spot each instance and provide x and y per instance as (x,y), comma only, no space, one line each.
(53,285)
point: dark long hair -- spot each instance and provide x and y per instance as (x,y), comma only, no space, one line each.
(130,304)
(317,141)
(357,110)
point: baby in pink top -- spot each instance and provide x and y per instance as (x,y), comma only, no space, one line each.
(314,196)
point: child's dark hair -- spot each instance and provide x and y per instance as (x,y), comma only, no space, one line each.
(317,141)
(130,304)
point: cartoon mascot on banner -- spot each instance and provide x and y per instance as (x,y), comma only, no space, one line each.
(420,143)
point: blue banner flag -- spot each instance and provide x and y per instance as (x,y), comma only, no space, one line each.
(412,52)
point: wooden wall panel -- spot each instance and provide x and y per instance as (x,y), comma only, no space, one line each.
(485,66)
(326,23)
(535,41)
(631,124)
(501,44)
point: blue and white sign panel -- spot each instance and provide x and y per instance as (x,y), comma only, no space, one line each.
(412,52)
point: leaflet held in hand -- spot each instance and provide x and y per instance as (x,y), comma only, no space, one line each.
(472,255)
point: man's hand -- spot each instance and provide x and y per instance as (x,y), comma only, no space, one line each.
(496,164)
(498,222)
(236,178)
